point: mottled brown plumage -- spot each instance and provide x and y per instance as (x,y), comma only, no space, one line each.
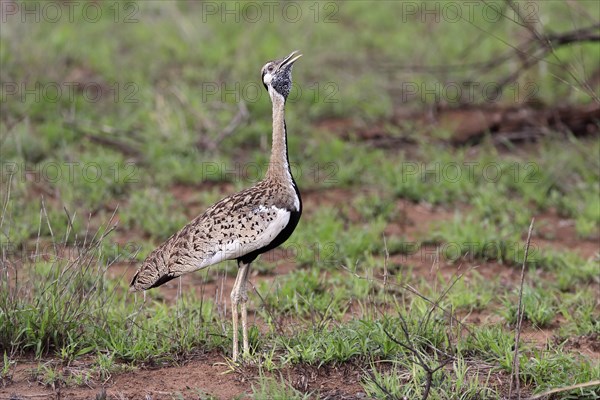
(240,226)
(239,218)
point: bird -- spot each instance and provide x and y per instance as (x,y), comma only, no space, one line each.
(241,226)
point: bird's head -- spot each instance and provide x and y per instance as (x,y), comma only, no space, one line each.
(277,75)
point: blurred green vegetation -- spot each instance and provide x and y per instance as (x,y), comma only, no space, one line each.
(145,90)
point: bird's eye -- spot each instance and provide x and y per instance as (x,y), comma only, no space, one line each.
(270,68)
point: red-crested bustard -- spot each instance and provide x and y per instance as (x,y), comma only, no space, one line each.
(240,226)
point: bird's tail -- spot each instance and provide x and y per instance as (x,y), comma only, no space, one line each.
(150,276)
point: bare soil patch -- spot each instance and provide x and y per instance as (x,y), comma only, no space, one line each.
(554,231)
(206,374)
(468,125)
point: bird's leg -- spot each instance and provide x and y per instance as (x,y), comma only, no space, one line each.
(234,313)
(245,319)
(239,295)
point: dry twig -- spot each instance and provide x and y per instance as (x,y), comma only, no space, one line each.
(515,376)
(564,389)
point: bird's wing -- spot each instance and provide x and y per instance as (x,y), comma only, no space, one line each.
(226,231)
(242,233)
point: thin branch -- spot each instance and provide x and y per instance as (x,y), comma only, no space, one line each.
(415,292)
(385,265)
(525,24)
(381,387)
(520,321)
(429,371)
(6,198)
(577,36)
(532,52)
(565,389)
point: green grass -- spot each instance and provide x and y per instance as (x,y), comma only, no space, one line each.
(332,241)
(70,312)
(475,295)
(70,308)
(271,388)
(581,314)
(539,307)
(307,294)
(406,381)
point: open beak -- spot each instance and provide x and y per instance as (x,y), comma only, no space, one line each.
(291,59)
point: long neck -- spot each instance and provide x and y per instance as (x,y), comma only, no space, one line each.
(279,166)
